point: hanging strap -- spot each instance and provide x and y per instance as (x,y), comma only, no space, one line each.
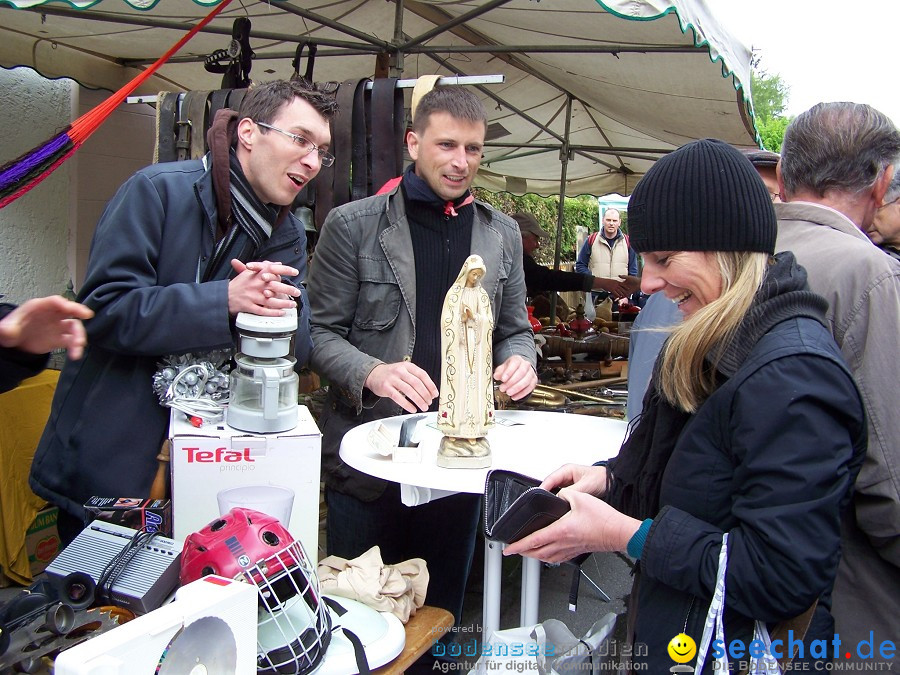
(384,131)
(310,61)
(217,100)
(235,98)
(198,114)
(714,622)
(350,143)
(166,107)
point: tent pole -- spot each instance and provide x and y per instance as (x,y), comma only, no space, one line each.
(396,69)
(564,162)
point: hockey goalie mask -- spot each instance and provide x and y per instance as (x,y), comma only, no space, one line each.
(294,624)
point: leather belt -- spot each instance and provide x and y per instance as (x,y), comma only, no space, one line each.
(166,105)
(235,98)
(218,100)
(349,142)
(388,125)
(198,110)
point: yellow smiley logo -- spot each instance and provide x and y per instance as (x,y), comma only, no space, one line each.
(682,648)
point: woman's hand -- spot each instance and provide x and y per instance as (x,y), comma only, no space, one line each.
(591,525)
(588,479)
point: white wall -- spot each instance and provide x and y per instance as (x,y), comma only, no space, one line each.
(45,235)
(34,228)
(121,145)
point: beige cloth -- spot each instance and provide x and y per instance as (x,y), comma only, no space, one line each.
(398,589)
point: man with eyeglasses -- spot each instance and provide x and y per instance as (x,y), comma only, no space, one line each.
(837,162)
(179,251)
(377,283)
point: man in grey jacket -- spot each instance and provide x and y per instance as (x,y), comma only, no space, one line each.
(377,282)
(836,164)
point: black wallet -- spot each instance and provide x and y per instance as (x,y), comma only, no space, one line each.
(514,506)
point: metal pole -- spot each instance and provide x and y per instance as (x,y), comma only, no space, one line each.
(564,161)
(448,81)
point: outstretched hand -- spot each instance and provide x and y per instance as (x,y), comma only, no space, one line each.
(43,324)
(258,288)
(622,287)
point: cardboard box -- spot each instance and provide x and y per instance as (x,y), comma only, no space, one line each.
(213,458)
(42,539)
(154,515)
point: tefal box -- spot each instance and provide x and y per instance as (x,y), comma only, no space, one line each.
(216,467)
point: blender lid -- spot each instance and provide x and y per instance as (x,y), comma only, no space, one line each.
(286,323)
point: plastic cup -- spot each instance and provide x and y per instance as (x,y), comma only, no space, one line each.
(273,500)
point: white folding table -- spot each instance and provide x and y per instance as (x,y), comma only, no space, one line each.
(529,442)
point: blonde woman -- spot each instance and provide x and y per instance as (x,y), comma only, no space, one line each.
(752,424)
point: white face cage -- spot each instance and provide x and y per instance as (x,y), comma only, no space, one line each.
(294,623)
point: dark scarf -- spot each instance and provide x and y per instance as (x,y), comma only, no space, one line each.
(635,475)
(245,223)
(417,189)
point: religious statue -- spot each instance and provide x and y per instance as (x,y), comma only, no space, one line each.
(466,408)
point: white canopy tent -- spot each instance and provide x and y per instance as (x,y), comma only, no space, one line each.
(594,91)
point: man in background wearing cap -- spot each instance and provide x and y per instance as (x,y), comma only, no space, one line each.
(539,278)
(836,164)
(607,253)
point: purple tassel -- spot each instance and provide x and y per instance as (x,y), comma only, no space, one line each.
(21,166)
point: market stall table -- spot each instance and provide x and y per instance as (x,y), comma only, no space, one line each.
(529,442)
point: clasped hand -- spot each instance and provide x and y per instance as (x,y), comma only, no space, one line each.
(258,288)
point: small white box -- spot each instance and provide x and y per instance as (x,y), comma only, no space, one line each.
(216,457)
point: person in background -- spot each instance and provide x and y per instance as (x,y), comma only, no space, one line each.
(179,251)
(377,283)
(606,254)
(539,278)
(753,427)
(765,163)
(29,332)
(837,162)
(884,230)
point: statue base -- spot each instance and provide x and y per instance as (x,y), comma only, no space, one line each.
(464,453)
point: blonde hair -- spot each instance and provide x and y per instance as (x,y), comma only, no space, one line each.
(686,379)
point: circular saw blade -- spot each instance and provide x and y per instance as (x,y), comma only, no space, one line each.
(204,646)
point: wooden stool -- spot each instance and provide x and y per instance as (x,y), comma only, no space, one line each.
(426,626)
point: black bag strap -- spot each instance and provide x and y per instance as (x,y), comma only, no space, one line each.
(166,108)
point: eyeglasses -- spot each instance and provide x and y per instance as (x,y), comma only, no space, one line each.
(306,146)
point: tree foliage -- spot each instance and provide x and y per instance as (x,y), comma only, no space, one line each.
(582,210)
(770,98)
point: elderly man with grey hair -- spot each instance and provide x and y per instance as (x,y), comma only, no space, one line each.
(885,228)
(837,162)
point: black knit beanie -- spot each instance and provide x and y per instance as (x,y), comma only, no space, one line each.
(705,196)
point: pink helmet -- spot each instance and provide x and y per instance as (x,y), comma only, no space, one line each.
(294,624)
